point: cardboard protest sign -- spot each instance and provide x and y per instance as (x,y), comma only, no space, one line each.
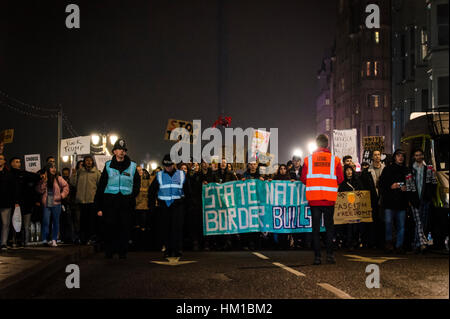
(353,207)
(255,206)
(7,136)
(100,161)
(32,163)
(77,145)
(370,144)
(193,130)
(345,143)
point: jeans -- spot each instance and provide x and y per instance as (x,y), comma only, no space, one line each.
(400,225)
(328,215)
(55,211)
(26,222)
(6,222)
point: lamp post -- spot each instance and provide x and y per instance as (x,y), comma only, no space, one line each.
(96,138)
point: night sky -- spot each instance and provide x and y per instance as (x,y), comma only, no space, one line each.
(134,64)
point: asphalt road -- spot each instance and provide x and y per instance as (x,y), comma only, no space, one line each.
(255,275)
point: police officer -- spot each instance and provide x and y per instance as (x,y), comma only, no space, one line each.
(171,189)
(115,199)
(322,172)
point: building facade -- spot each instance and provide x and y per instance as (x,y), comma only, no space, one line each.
(419,60)
(325,100)
(362,71)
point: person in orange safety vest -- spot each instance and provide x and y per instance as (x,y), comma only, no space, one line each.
(322,173)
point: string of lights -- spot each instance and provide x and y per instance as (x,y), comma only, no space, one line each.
(34,107)
(35,111)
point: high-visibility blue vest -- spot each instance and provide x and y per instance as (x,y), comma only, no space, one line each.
(170,188)
(117,182)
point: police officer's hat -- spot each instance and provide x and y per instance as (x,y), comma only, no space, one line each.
(120,145)
(167,161)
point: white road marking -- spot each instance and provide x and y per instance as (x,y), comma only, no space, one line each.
(293,271)
(260,255)
(336,291)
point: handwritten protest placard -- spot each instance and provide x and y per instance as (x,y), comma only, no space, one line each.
(32,163)
(353,207)
(77,145)
(345,143)
(193,130)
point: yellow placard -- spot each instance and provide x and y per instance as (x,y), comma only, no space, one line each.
(7,136)
(188,125)
(353,207)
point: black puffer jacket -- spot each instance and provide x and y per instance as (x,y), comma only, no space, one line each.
(394,198)
(9,189)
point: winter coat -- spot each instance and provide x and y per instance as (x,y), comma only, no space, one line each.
(27,182)
(60,190)
(85,181)
(9,189)
(394,198)
(111,202)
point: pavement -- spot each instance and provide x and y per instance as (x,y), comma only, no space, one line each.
(262,274)
(24,269)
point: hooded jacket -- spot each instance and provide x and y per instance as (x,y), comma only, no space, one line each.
(85,181)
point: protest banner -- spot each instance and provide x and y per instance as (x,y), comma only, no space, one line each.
(100,161)
(193,130)
(345,143)
(77,145)
(7,136)
(353,207)
(260,142)
(370,144)
(255,206)
(32,163)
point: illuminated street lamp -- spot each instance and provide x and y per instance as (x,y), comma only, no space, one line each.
(95,139)
(298,152)
(312,146)
(65,158)
(153,165)
(101,140)
(113,139)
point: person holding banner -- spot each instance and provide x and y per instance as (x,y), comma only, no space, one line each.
(115,200)
(351,183)
(322,173)
(171,190)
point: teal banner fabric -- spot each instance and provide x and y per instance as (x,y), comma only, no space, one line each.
(255,206)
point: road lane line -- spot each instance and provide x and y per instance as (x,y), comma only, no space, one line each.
(293,271)
(260,255)
(336,291)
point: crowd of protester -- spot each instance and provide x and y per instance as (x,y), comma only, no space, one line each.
(59,207)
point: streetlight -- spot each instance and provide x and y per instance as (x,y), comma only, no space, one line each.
(312,146)
(65,158)
(298,152)
(95,139)
(113,139)
(153,165)
(101,140)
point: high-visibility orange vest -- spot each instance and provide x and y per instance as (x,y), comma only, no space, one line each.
(321,180)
